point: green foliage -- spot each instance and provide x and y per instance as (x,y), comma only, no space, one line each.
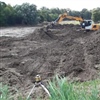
(27,14)
(6,14)
(4,93)
(96,14)
(60,89)
(86,14)
(2,16)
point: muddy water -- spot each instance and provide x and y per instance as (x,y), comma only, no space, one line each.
(16,31)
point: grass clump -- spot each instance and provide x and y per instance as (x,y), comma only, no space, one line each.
(61,89)
(4,93)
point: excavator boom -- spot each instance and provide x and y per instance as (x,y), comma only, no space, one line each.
(65,15)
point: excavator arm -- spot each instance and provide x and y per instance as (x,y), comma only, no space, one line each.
(63,16)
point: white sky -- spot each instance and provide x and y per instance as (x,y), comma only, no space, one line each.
(72,4)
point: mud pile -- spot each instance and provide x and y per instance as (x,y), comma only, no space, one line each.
(63,50)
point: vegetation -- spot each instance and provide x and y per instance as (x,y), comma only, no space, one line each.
(4,92)
(61,89)
(28,14)
(5,95)
(96,14)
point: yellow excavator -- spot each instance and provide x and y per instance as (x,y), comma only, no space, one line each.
(85,24)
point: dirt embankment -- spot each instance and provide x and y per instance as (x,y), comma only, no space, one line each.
(48,51)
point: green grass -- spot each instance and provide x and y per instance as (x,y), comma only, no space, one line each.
(61,89)
(5,95)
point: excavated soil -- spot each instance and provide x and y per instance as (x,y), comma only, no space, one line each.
(61,49)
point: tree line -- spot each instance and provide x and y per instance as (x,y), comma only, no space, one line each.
(28,14)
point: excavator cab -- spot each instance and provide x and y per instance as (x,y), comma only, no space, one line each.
(89,25)
(86,23)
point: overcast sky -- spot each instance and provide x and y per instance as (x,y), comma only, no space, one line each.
(72,4)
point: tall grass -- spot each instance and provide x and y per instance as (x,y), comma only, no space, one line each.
(4,93)
(60,89)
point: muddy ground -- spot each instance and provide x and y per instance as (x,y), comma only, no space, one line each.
(61,49)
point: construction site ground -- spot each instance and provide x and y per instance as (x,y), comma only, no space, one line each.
(61,49)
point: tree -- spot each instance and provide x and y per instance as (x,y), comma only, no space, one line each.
(2,16)
(85,14)
(96,14)
(9,14)
(27,13)
(6,14)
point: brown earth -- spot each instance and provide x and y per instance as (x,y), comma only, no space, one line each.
(61,49)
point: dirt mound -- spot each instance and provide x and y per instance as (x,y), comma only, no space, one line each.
(61,49)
